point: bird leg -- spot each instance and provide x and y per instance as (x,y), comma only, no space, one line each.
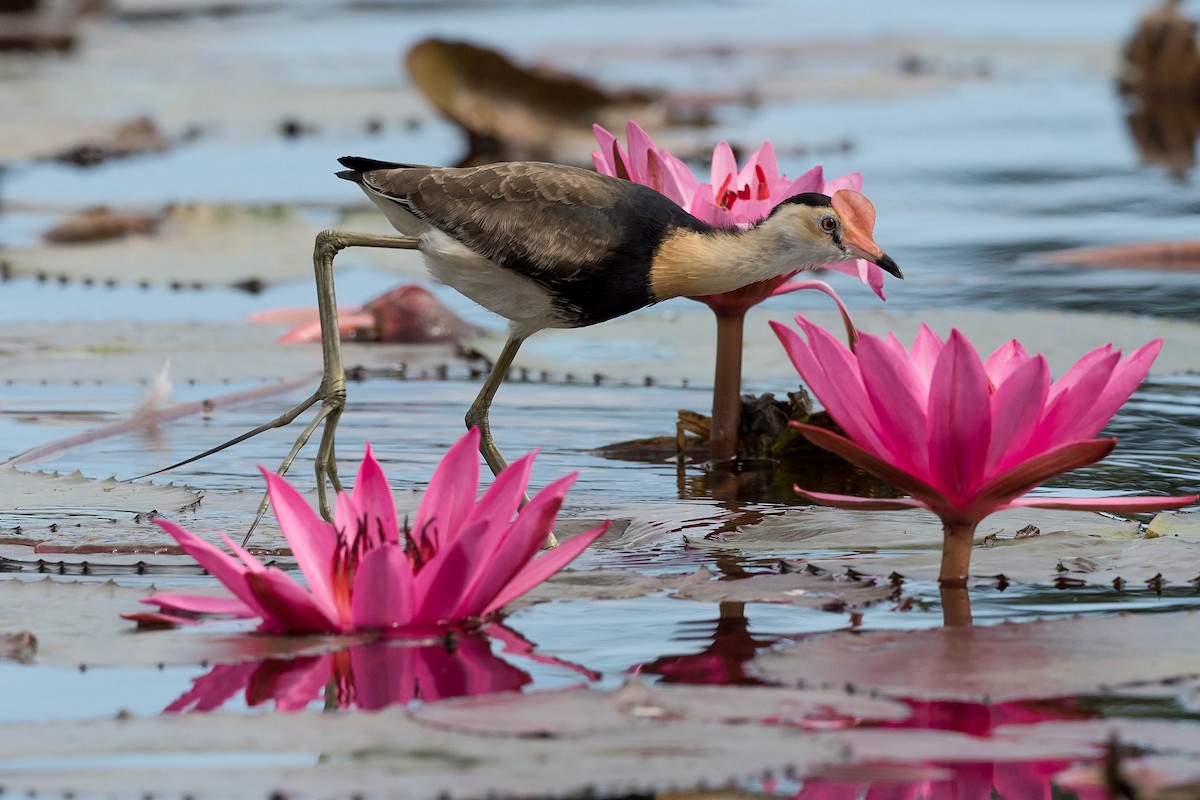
(331,393)
(477,414)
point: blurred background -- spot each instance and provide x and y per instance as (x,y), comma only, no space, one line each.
(987,134)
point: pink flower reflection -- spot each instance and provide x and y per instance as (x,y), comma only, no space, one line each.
(723,661)
(957,780)
(373,676)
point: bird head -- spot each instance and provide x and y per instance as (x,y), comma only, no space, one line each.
(841,226)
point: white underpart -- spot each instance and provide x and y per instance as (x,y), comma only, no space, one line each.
(522,302)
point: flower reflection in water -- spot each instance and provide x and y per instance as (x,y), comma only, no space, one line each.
(960,780)
(728,659)
(375,675)
(723,661)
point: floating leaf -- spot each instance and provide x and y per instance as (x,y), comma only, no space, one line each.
(80,624)
(39,500)
(195,245)
(1010,661)
(570,713)
(1037,546)
(796,588)
(383,754)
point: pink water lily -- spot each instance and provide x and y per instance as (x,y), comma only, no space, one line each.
(733,198)
(460,559)
(965,436)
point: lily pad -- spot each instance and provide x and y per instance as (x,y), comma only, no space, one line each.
(795,588)
(575,712)
(385,754)
(227,245)
(1010,661)
(79,624)
(34,497)
(1038,546)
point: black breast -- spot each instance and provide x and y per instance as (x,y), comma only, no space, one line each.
(619,281)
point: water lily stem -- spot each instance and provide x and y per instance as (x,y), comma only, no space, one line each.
(727,386)
(956,606)
(958,537)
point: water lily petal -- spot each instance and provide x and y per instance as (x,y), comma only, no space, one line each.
(640,147)
(545,565)
(1125,379)
(1004,360)
(287,607)
(382,595)
(503,498)
(852,181)
(1032,472)
(927,348)
(311,538)
(220,565)
(1016,407)
(158,618)
(724,171)
(843,393)
(439,585)
(880,468)
(859,503)
(1070,401)
(899,402)
(201,604)
(451,493)
(811,181)
(959,416)
(374,499)
(245,556)
(510,549)
(1115,505)
(867,272)
(610,160)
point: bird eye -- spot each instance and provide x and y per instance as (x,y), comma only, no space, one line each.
(828,224)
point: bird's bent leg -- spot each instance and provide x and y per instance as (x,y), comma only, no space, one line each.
(332,391)
(477,414)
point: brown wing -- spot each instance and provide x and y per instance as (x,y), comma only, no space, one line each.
(548,221)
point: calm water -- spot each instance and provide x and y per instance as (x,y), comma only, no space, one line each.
(1014,144)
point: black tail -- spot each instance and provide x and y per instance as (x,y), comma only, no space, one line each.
(359,165)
